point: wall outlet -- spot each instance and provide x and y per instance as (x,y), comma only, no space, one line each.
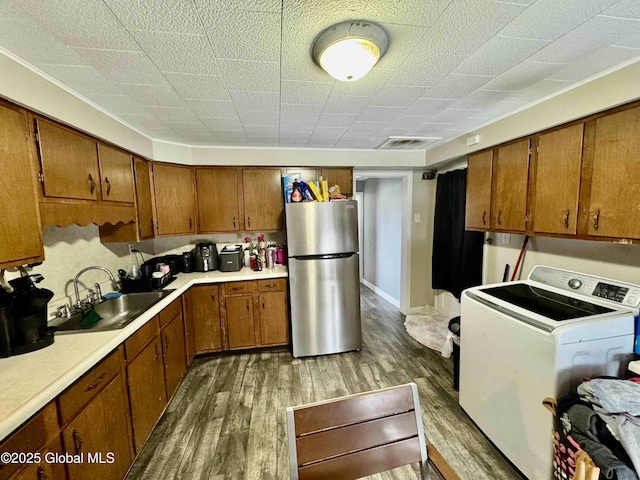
(416,218)
(505,238)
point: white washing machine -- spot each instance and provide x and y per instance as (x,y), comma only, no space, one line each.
(526,340)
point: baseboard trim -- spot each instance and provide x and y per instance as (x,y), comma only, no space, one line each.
(393,301)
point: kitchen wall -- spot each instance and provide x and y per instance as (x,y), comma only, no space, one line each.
(382,236)
(70,249)
(424,198)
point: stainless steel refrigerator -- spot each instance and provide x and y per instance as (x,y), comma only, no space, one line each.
(324,281)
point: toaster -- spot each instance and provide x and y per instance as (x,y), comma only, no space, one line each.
(231,258)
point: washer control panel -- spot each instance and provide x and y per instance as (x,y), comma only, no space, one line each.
(580,283)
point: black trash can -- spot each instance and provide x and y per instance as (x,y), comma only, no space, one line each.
(454,327)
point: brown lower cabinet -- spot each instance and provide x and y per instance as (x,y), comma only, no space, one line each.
(100,433)
(147,394)
(189,325)
(107,415)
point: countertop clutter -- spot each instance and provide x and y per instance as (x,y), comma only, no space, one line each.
(30,381)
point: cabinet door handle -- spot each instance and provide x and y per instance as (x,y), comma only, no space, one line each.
(213,296)
(270,285)
(190,223)
(106,180)
(234,221)
(499,217)
(93,385)
(236,288)
(155,347)
(247,305)
(249,222)
(484,217)
(263,304)
(166,341)
(77,441)
(566,219)
(92,184)
(596,219)
(151,221)
(42,475)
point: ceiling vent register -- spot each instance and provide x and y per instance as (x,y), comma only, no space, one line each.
(408,143)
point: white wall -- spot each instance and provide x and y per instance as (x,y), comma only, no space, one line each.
(616,261)
(424,197)
(382,236)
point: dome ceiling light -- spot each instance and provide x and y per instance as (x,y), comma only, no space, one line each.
(348,50)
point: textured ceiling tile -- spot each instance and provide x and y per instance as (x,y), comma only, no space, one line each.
(274,6)
(365,87)
(380,113)
(624,9)
(537,91)
(466,25)
(199,87)
(425,69)
(11,11)
(291,127)
(230,135)
(300,113)
(305,93)
(322,142)
(214,124)
(251,76)
(256,101)
(262,130)
(259,118)
(177,16)
(356,137)
(455,117)
(550,19)
(407,121)
(600,61)
(242,35)
(212,108)
(523,75)
(191,129)
(83,79)
(80,23)
(632,41)
(118,104)
(481,99)
(178,53)
(351,105)
(153,95)
(172,115)
(123,67)
(407,12)
(427,106)
(337,119)
(147,122)
(586,39)
(328,132)
(366,127)
(499,54)
(456,86)
(263,141)
(297,63)
(402,41)
(26,39)
(397,96)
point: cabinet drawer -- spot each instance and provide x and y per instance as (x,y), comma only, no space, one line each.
(170,311)
(135,342)
(45,470)
(29,438)
(234,288)
(272,285)
(79,394)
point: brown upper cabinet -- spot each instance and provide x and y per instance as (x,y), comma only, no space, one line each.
(116,175)
(68,162)
(144,198)
(343,177)
(20,234)
(174,193)
(478,207)
(614,200)
(263,202)
(556,168)
(509,187)
(219,199)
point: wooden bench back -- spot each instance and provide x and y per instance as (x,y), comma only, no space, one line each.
(357,435)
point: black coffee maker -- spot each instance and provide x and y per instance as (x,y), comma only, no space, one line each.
(23,315)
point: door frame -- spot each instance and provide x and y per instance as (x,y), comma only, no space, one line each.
(405,243)
(359,197)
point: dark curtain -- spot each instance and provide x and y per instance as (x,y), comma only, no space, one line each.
(457,254)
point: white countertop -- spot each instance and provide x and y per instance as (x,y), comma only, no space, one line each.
(30,381)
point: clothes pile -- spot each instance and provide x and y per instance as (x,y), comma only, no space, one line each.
(603,420)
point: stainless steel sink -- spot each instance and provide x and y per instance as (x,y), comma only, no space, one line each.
(116,313)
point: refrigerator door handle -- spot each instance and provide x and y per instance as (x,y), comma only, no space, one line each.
(325,257)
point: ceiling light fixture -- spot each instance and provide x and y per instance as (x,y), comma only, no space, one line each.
(348,50)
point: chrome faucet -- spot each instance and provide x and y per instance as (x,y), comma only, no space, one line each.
(78,303)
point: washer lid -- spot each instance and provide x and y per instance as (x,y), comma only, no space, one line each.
(551,305)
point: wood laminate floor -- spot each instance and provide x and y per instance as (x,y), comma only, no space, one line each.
(227,419)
